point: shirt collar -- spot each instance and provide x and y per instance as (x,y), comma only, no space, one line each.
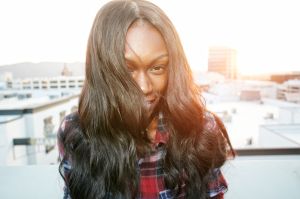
(162,135)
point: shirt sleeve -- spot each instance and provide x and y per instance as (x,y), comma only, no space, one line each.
(65,165)
(217,184)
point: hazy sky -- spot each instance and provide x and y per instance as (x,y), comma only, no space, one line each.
(265,33)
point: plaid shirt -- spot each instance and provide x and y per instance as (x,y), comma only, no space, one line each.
(152,185)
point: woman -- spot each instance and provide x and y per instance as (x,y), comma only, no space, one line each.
(141,130)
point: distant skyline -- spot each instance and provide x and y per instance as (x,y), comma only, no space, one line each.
(265,33)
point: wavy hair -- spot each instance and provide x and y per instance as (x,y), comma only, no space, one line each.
(105,146)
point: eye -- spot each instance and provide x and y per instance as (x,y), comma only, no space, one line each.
(158,69)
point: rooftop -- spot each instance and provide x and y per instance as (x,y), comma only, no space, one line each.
(248,177)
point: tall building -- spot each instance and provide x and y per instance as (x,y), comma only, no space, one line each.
(222,60)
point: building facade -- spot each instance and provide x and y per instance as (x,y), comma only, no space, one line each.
(223,60)
(59,82)
(28,130)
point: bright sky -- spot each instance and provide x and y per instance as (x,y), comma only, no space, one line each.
(265,33)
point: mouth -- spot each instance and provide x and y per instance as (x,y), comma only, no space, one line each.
(151,105)
(153,99)
(150,101)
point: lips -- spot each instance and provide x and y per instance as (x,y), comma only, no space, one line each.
(150,101)
(150,104)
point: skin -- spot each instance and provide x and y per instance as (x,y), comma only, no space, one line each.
(147,60)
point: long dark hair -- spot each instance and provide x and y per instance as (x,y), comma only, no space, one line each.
(110,136)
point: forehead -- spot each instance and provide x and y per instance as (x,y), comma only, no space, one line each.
(143,39)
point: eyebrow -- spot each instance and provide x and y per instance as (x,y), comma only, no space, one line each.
(156,59)
(160,57)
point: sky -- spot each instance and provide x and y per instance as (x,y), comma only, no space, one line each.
(265,33)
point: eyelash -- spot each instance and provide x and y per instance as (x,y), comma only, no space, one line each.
(157,69)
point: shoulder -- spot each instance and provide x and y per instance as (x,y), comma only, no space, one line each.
(217,185)
(215,131)
(69,122)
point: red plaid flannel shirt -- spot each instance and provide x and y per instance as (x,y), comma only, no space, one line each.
(152,185)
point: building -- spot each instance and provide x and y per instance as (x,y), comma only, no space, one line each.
(47,83)
(66,71)
(265,135)
(28,128)
(255,89)
(280,78)
(279,135)
(250,95)
(223,60)
(236,90)
(289,91)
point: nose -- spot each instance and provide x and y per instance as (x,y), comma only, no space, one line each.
(144,82)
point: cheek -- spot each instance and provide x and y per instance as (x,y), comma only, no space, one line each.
(160,84)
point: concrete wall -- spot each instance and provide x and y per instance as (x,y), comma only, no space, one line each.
(259,177)
(8,131)
(29,125)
